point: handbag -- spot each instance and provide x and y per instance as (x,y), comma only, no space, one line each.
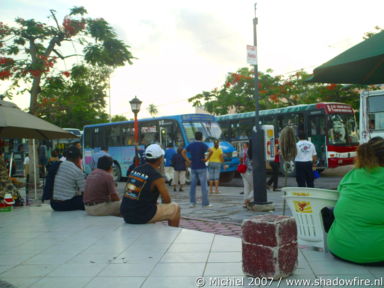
(242,168)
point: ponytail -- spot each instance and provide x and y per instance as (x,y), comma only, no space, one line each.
(370,154)
(366,157)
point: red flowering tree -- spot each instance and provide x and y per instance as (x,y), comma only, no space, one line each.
(237,93)
(34,52)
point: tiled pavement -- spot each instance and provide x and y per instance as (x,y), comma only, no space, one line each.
(40,248)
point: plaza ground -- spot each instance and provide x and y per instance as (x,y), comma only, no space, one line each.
(42,248)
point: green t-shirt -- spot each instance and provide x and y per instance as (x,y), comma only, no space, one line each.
(358,231)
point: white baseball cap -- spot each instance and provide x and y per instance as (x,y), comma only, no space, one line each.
(153,151)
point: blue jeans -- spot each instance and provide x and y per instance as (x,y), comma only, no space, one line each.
(202,175)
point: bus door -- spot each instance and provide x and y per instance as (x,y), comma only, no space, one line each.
(317,135)
(167,133)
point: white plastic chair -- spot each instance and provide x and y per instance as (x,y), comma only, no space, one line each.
(305,191)
(307,212)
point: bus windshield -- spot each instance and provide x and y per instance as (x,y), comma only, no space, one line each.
(342,129)
(209,129)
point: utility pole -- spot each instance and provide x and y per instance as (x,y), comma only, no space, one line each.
(258,150)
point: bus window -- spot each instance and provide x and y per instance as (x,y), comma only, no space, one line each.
(115,138)
(149,133)
(224,125)
(245,128)
(127,134)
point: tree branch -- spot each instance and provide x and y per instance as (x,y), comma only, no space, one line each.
(54,18)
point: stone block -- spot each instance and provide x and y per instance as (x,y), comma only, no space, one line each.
(269,246)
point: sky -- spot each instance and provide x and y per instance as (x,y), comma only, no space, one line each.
(186,47)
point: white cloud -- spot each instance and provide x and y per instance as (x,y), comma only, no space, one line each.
(184,47)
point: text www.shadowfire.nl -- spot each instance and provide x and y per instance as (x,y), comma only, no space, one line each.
(269,282)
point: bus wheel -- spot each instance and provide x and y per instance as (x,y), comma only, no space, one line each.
(226,177)
(116,172)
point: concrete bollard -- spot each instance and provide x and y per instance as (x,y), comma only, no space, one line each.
(269,246)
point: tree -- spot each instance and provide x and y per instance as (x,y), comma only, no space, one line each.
(152,109)
(34,48)
(118,118)
(237,93)
(76,101)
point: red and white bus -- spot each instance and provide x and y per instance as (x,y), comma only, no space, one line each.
(330,126)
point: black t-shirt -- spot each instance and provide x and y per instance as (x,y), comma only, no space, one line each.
(139,202)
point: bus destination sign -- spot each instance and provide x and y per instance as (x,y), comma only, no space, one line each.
(338,108)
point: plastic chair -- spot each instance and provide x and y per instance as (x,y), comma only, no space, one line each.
(305,191)
(307,212)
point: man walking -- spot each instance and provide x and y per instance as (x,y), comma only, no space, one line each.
(304,162)
(168,168)
(197,160)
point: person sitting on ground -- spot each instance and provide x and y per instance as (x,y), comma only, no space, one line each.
(100,196)
(180,169)
(357,233)
(216,159)
(145,184)
(69,183)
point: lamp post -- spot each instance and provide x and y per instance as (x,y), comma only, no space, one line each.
(135,107)
(258,154)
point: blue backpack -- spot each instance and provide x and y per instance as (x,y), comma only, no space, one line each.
(50,180)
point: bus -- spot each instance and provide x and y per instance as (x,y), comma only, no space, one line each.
(330,126)
(371,115)
(178,130)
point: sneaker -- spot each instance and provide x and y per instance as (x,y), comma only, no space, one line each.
(181,190)
(174,190)
(276,189)
(192,205)
(207,206)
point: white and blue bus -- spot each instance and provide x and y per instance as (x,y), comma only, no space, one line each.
(178,130)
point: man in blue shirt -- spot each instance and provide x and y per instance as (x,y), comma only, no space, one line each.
(197,160)
(168,169)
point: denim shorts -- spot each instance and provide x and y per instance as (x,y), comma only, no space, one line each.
(214,170)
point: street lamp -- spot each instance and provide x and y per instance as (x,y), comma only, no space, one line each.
(135,107)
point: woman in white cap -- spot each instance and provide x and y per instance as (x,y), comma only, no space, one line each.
(145,185)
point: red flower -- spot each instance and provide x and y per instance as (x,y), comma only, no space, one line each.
(5,74)
(66,73)
(331,86)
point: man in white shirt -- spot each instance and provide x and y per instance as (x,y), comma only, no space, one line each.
(95,158)
(305,161)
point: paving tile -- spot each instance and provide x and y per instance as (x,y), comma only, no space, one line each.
(185,257)
(43,258)
(24,271)
(128,269)
(221,257)
(224,269)
(226,244)
(77,270)
(61,282)
(122,282)
(21,282)
(178,269)
(336,268)
(190,247)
